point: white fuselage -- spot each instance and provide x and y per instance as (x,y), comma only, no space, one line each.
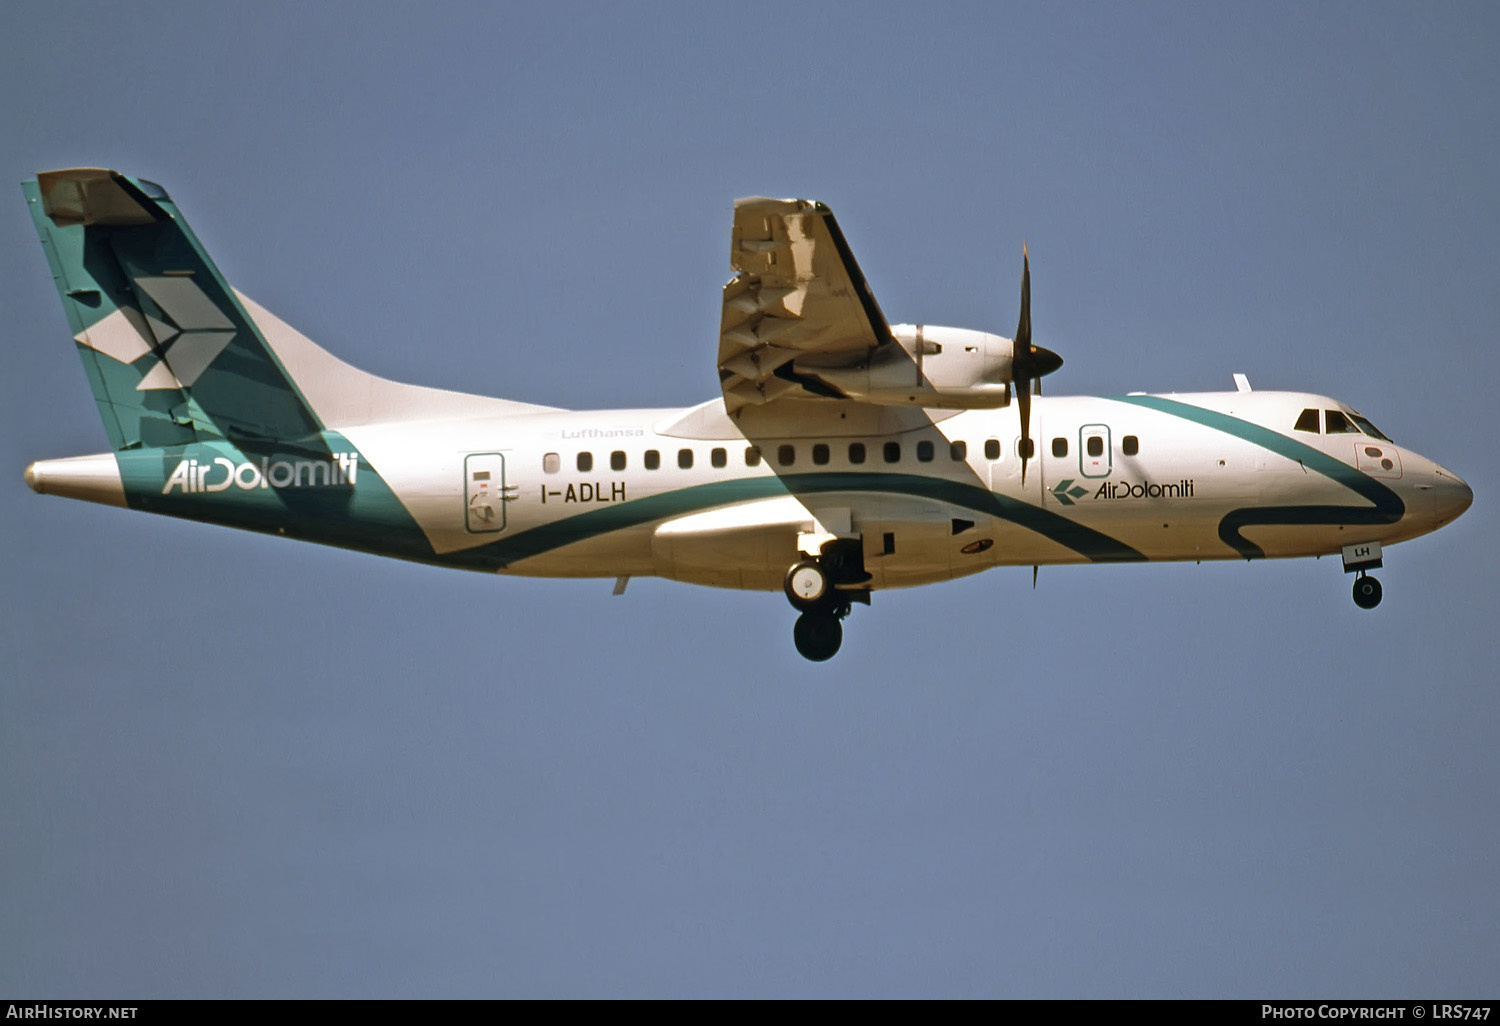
(931,495)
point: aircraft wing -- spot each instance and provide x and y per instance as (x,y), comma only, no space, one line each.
(798,296)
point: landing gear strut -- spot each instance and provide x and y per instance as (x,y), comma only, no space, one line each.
(811,586)
(1366,591)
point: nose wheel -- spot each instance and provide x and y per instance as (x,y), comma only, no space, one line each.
(1366,592)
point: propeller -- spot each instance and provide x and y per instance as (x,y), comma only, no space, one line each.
(1029,363)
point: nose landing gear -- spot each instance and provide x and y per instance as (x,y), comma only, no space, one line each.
(1359,559)
(1366,591)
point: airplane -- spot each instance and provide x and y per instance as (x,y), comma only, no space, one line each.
(845,455)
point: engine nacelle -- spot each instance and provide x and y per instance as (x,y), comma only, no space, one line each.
(946,368)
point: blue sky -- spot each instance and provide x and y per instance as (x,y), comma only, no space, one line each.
(236,766)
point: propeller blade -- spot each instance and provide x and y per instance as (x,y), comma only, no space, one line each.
(1021,360)
(1029,363)
(1023,330)
(1023,401)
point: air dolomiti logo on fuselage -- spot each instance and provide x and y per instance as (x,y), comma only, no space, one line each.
(220,474)
(1068,492)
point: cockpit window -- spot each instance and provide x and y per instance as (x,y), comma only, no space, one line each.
(1338,424)
(1308,421)
(1368,428)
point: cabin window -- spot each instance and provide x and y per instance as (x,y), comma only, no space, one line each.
(551,463)
(1027,448)
(1059,446)
(958,451)
(893,452)
(856,452)
(786,455)
(1369,429)
(1335,423)
(752,456)
(1308,421)
(617,460)
(1095,445)
(992,448)
(653,459)
(924,452)
(719,458)
(685,459)
(585,461)
(1130,445)
(820,454)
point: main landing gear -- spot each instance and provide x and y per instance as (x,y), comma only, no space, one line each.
(1366,591)
(812,586)
(818,635)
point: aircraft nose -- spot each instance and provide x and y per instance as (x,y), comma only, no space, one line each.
(1451,495)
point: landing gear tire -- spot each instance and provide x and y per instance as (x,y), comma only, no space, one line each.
(1366,592)
(818,636)
(807,588)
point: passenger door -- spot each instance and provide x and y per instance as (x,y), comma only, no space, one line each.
(1094,450)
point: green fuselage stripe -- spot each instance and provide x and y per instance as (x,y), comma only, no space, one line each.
(1386,508)
(1085,541)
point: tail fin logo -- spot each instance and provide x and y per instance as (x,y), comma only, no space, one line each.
(195,331)
(199,332)
(187,329)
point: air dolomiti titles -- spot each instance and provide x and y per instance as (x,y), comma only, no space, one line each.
(193,475)
(1145,490)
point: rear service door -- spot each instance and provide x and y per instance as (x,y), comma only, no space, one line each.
(485,492)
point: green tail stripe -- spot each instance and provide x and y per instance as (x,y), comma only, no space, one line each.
(306,491)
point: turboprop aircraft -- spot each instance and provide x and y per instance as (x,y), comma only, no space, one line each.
(845,454)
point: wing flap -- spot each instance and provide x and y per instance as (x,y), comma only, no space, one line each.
(798,293)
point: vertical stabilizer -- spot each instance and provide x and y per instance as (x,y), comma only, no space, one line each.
(170,353)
